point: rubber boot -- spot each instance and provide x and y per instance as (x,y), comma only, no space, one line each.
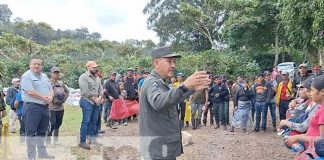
(212,121)
(204,122)
(274,127)
(56,133)
(193,121)
(182,125)
(187,124)
(217,125)
(197,122)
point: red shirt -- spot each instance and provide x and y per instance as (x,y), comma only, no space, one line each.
(315,122)
(283,95)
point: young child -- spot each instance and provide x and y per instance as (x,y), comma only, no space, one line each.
(187,112)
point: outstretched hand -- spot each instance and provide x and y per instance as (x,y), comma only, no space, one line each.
(197,81)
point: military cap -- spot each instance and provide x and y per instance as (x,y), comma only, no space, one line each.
(163,52)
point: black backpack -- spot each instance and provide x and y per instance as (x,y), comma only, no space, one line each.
(59,94)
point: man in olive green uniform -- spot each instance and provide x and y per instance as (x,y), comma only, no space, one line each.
(160,136)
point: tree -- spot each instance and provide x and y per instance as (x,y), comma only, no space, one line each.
(181,22)
(207,19)
(95,36)
(253,25)
(303,22)
(5,14)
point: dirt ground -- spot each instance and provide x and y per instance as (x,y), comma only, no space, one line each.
(216,144)
(208,144)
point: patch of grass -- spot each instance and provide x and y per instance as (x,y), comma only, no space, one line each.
(71,121)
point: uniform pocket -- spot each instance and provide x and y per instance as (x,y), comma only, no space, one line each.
(172,147)
(172,112)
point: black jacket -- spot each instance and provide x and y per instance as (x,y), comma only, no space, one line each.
(220,89)
(242,95)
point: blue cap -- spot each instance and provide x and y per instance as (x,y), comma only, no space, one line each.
(180,74)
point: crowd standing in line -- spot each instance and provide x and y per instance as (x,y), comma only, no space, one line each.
(168,103)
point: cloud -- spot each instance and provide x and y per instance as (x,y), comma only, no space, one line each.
(115,20)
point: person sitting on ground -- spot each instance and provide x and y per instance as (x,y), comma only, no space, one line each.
(316,125)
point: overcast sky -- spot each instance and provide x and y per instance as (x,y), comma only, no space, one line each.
(113,19)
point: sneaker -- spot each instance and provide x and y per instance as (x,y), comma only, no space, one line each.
(244,130)
(256,130)
(113,126)
(217,126)
(84,146)
(125,123)
(232,129)
(46,156)
(101,131)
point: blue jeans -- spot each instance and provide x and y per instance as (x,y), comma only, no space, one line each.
(99,118)
(226,104)
(89,124)
(259,106)
(21,119)
(272,108)
(37,122)
(283,107)
(219,112)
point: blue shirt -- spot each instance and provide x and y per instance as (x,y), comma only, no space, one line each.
(39,83)
(140,83)
(20,109)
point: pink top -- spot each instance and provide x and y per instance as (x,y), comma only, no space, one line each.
(315,122)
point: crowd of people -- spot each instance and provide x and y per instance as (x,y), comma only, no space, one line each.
(37,102)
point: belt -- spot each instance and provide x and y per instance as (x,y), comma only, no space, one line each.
(36,104)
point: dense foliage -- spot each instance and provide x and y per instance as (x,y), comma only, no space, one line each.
(227,37)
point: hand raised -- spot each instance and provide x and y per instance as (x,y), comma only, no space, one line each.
(197,81)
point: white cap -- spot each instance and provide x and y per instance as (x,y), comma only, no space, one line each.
(15,80)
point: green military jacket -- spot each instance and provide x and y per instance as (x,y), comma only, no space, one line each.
(159,129)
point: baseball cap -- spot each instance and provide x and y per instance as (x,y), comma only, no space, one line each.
(130,69)
(302,65)
(260,75)
(113,72)
(15,80)
(284,73)
(266,73)
(91,64)
(163,52)
(146,72)
(180,74)
(55,69)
